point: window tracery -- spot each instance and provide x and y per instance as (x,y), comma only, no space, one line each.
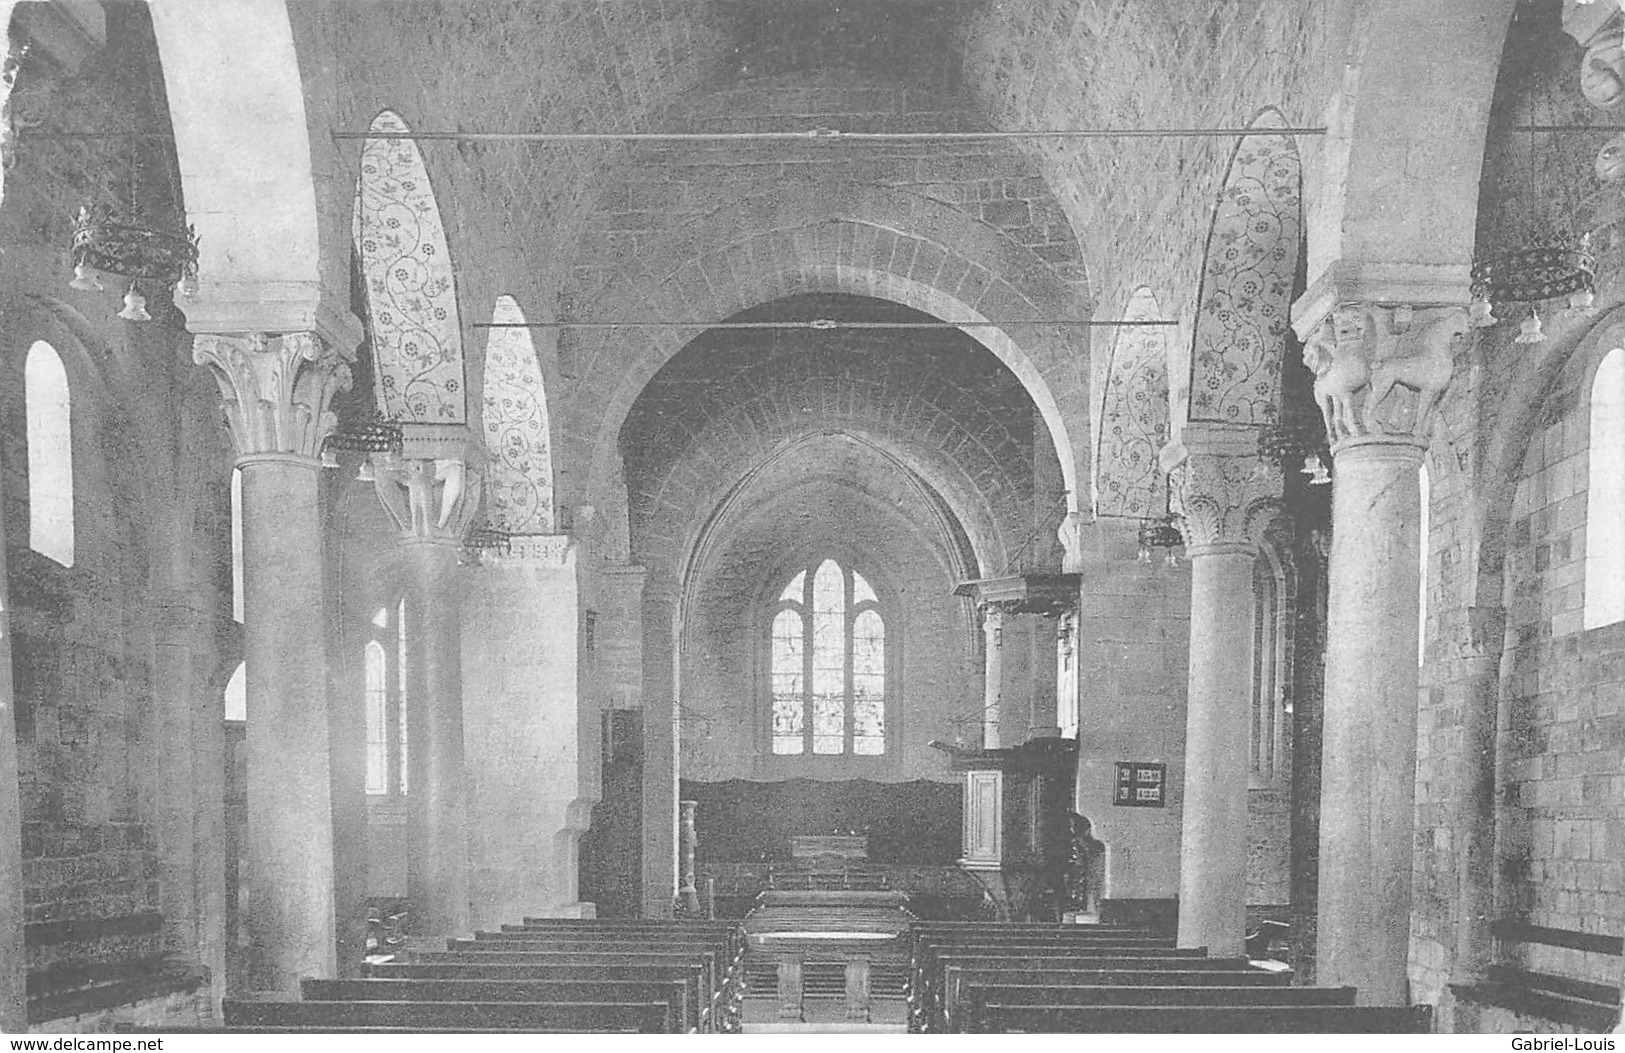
(828,665)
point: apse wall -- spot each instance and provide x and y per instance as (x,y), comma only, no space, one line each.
(866,514)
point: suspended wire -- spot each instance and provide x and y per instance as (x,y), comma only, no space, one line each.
(831,135)
(825,324)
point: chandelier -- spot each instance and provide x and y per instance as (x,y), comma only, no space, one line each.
(1532,276)
(1296,439)
(1552,263)
(379,435)
(486,536)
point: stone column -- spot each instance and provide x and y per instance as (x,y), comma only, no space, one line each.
(276,391)
(431,491)
(1228,496)
(1362,355)
(993,674)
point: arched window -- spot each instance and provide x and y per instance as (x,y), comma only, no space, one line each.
(383,700)
(401,752)
(829,665)
(1425,489)
(1605,496)
(50,454)
(237,693)
(1268,716)
(377,705)
(237,544)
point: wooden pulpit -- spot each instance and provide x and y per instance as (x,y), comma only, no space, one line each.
(1016,836)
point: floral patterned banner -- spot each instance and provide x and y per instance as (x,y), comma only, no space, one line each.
(1252,258)
(1134,416)
(519,478)
(417,342)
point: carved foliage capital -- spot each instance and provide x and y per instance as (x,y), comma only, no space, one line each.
(429,499)
(1227,495)
(1381,371)
(276,390)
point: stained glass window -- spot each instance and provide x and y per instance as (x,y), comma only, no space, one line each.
(828,675)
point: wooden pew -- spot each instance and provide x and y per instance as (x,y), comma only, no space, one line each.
(616,1017)
(940,1000)
(722,970)
(961,1013)
(928,987)
(682,1002)
(691,975)
(998,1018)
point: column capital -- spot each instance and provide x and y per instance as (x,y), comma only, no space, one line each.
(276,389)
(1381,283)
(1364,353)
(1227,495)
(431,499)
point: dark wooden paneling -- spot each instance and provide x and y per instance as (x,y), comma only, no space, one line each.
(740,821)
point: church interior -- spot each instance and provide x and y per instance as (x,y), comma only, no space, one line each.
(714,515)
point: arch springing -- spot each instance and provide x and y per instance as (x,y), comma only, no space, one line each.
(48,408)
(828,665)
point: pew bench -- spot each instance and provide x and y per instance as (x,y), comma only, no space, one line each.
(722,971)
(573,1017)
(686,1014)
(1005,1018)
(692,977)
(942,1007)
(1546,995)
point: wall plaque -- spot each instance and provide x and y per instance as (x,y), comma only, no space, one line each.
(1139,784)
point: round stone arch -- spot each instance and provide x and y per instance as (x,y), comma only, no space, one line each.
(733,448)
(859,240)
(1393,185)
(252,171)
(680,556)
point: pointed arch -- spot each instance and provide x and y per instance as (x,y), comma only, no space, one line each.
(1252,261)
(1134,416)
(412,320)
(519,479)
(48,408)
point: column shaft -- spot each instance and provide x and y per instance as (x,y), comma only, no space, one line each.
(1213,842)
(1369,774)
(288,900)
(437,858)
(993,677)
